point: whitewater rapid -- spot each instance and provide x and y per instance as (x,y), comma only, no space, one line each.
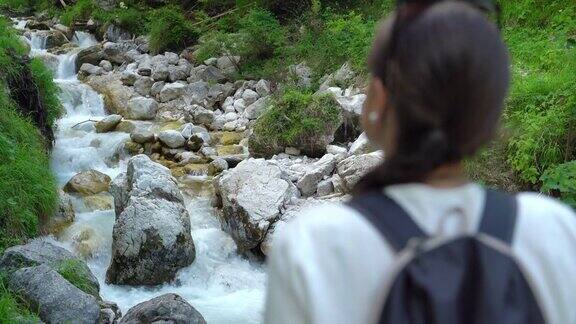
(222,286)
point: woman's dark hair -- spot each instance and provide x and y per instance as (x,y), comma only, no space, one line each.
(446,71)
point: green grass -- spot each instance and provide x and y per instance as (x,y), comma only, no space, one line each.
(13,310)
(541,109)
(28,189)
(74,271)
(169,29)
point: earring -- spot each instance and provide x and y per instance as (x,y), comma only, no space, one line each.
(373,117)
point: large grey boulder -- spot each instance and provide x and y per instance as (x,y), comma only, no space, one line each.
(168,308)
(89,69)
(253,195)
(57,300)
(39,252)
(353,168)
(141,108)
(151,238)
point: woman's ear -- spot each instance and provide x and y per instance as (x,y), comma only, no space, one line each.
(374,111)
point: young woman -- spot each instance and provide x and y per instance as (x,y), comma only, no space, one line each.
(440,74)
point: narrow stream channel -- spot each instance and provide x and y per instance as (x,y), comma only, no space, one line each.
(221,285)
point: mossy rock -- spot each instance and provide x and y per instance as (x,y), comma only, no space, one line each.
(173,125)
(126,126)
(101,201)
(227,138)
(225,150)
(133,148)
(297,119)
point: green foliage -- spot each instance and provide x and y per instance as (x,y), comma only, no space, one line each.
(12,310)
(561,180)
(24,7)
(296,119)
(541,109)
(27,190)
(133,20)
(261,34)
(343,37)
(170,30)
(75,272)
(49,91)
(81,10)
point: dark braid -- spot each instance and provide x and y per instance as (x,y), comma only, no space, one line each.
(446,72)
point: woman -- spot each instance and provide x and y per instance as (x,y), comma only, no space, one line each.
(439,78)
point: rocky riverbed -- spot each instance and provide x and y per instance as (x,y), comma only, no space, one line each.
(163,205)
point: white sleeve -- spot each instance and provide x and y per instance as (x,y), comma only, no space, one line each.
(545,242)
(285,296)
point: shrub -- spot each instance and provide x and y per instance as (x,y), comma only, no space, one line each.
(296,119)
(261,34)
(170,30)
(81,10)
(343,38)
(132,20)
(560,181)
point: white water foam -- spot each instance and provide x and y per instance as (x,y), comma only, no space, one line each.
(222,286)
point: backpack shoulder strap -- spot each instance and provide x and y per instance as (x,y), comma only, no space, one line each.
(388,217)
(500,213)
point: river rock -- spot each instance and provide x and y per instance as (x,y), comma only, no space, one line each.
(93,55)
(178,72)
(142,136)
(168,308)
(116,94)
(117,52)
(197,93)
(250,96)
(40,252)
(315,172)
(256,109)
(201,115)
(171,91)
(301,74)
(106,65)
(343,77)
(151,238)
(143,85)
(353,168)
(253,195)
(89,69)
(108,123)
(57,300)
(63,216)
(207,74)
(141,108)
(88,183)
(160,72)
(361,145)
(171,138)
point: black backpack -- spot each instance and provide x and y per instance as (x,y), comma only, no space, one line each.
(471,279)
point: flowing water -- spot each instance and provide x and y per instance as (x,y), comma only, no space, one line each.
(221,285)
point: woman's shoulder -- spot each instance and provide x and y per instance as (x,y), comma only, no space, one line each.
(327,226)
(537,208)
